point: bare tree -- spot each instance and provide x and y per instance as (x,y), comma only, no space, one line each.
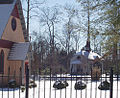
(49,19)
(69,27)
(40,50)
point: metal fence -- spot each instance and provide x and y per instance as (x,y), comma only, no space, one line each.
(44,86)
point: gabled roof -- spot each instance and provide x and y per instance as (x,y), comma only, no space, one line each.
(6,44)
(21,16)
(19,51)
(89,55)
(5,13)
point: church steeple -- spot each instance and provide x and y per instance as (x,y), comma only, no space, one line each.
(87,46)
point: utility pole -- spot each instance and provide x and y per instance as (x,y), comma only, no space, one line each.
(88,19)
(30,51)
(28,10)
(87,47)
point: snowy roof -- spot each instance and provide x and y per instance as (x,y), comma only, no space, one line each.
(90,55)
(19,51)
(93,56)
(5,12)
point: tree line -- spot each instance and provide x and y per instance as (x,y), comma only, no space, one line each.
(63,31)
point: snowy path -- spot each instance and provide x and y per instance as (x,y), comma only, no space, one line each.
(70,93)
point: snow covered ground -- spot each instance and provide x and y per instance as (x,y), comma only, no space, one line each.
(40,92)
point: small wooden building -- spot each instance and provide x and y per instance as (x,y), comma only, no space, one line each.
(14,45)
(85,60)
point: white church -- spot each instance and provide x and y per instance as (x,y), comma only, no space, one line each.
(83,61)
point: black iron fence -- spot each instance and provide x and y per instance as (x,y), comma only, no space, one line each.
(61,86)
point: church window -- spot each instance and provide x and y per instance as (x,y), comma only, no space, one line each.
(2,62)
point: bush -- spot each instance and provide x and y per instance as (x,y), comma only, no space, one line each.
(65,83)
(12,83)
(60,85)
(105,85)
(79,85)
(22,88)
(32,84)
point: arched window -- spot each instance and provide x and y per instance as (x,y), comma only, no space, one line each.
(2,62)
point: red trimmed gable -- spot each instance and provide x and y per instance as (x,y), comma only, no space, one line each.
(15,12)
(6,44)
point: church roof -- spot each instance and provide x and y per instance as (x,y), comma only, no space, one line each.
(5,12)
(6,9)
(89,55)
(19,51)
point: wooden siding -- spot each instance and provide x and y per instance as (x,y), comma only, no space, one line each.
(14,36)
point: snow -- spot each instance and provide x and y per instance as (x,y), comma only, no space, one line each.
(90,55)
(93,55)
(70,93)
(19,51)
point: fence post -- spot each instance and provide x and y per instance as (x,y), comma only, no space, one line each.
(111,83)
(27,81)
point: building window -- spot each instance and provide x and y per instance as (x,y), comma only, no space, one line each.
(2,62)
(13,24)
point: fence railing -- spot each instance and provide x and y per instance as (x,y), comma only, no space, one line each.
(61,86)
